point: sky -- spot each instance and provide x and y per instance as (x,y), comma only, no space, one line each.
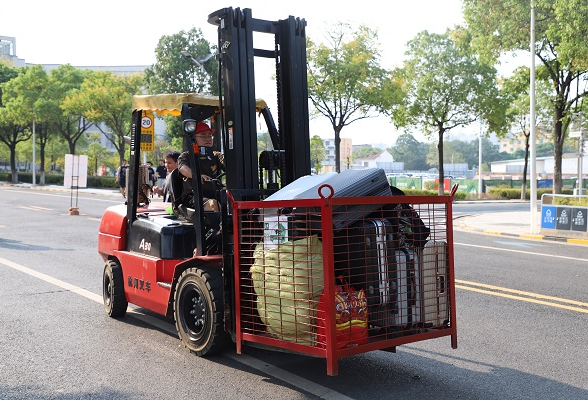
(122,32)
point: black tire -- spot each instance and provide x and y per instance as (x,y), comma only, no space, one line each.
(198,311)
(113,291)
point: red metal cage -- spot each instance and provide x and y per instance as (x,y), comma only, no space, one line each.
(338,276)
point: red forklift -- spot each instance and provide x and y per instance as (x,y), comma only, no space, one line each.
(288,262)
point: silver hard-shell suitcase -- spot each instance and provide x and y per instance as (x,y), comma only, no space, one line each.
(434,275)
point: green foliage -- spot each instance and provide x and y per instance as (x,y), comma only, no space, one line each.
(70,124)
(345,80)
(502,27)
(446,87)
(431,185)
(410,151)
(7,73)
(107,98)
(57,179)
(428,192)
(365,151)
(570,201)
(505,193)
(317,152)
(175,73)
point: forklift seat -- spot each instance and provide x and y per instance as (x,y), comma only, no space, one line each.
(183,206)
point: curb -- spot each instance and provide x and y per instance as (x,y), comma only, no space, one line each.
(462,225)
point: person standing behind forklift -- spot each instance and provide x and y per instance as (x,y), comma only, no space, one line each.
(211,166)
(121,178)
(171,163)
(161,173)
(151,173)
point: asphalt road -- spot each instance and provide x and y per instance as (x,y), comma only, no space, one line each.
(522,312)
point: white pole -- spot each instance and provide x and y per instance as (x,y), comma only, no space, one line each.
(480,164)
(34,152)
(533,178)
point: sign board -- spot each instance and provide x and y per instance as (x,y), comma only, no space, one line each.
(579,219)
(563,219)
(147,131)
(548,217)
(76,171)
(575,134)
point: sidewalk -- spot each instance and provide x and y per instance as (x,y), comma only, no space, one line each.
(513,224)
(57,188)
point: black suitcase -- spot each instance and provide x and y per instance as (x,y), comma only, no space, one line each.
(352,183)
(371,266)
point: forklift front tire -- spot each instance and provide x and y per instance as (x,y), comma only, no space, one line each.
(113,292)
(198,311)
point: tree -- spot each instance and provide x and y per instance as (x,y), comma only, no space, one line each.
(317,152)
(345,80)
(106,98)
(446,87)
(517,87)
(410,151)
(68,122)
(365,151)
(97,154)
(30,87)
(15,114)
(502,27)
(175,73)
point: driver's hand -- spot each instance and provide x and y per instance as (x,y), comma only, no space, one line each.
(205,178)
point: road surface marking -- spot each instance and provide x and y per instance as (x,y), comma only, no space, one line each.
(54,281)
(320,391)
(520,295)
(522,252)
(36,208)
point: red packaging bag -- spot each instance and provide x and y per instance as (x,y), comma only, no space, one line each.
(350,314)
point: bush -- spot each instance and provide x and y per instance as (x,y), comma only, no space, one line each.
(570,201)
(431,185)
(504,193)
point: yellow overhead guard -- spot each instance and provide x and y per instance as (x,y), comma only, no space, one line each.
(171,104)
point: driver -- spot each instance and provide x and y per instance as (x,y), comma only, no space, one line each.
(211,167)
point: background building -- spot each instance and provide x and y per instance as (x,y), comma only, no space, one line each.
(346,154)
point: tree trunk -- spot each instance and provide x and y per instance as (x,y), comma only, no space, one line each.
(13,165)
(558,141)
(441,172)
(338,150)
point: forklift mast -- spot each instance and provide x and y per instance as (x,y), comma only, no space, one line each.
(237,56)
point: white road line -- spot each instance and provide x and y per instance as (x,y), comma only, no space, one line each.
(54,281)
(521,252)
(268,369)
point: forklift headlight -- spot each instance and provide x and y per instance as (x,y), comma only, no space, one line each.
(189,126)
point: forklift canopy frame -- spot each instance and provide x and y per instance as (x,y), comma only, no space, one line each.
(171,104)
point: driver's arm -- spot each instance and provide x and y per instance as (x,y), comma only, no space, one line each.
(187,172)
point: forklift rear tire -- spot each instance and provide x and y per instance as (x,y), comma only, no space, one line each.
(113,292)
(198,311)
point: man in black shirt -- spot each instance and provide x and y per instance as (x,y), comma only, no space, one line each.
(211,167)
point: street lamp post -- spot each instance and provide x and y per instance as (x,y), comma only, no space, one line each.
(533,180)
(34,152)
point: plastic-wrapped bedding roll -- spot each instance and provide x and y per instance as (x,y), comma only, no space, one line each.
(288,281)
